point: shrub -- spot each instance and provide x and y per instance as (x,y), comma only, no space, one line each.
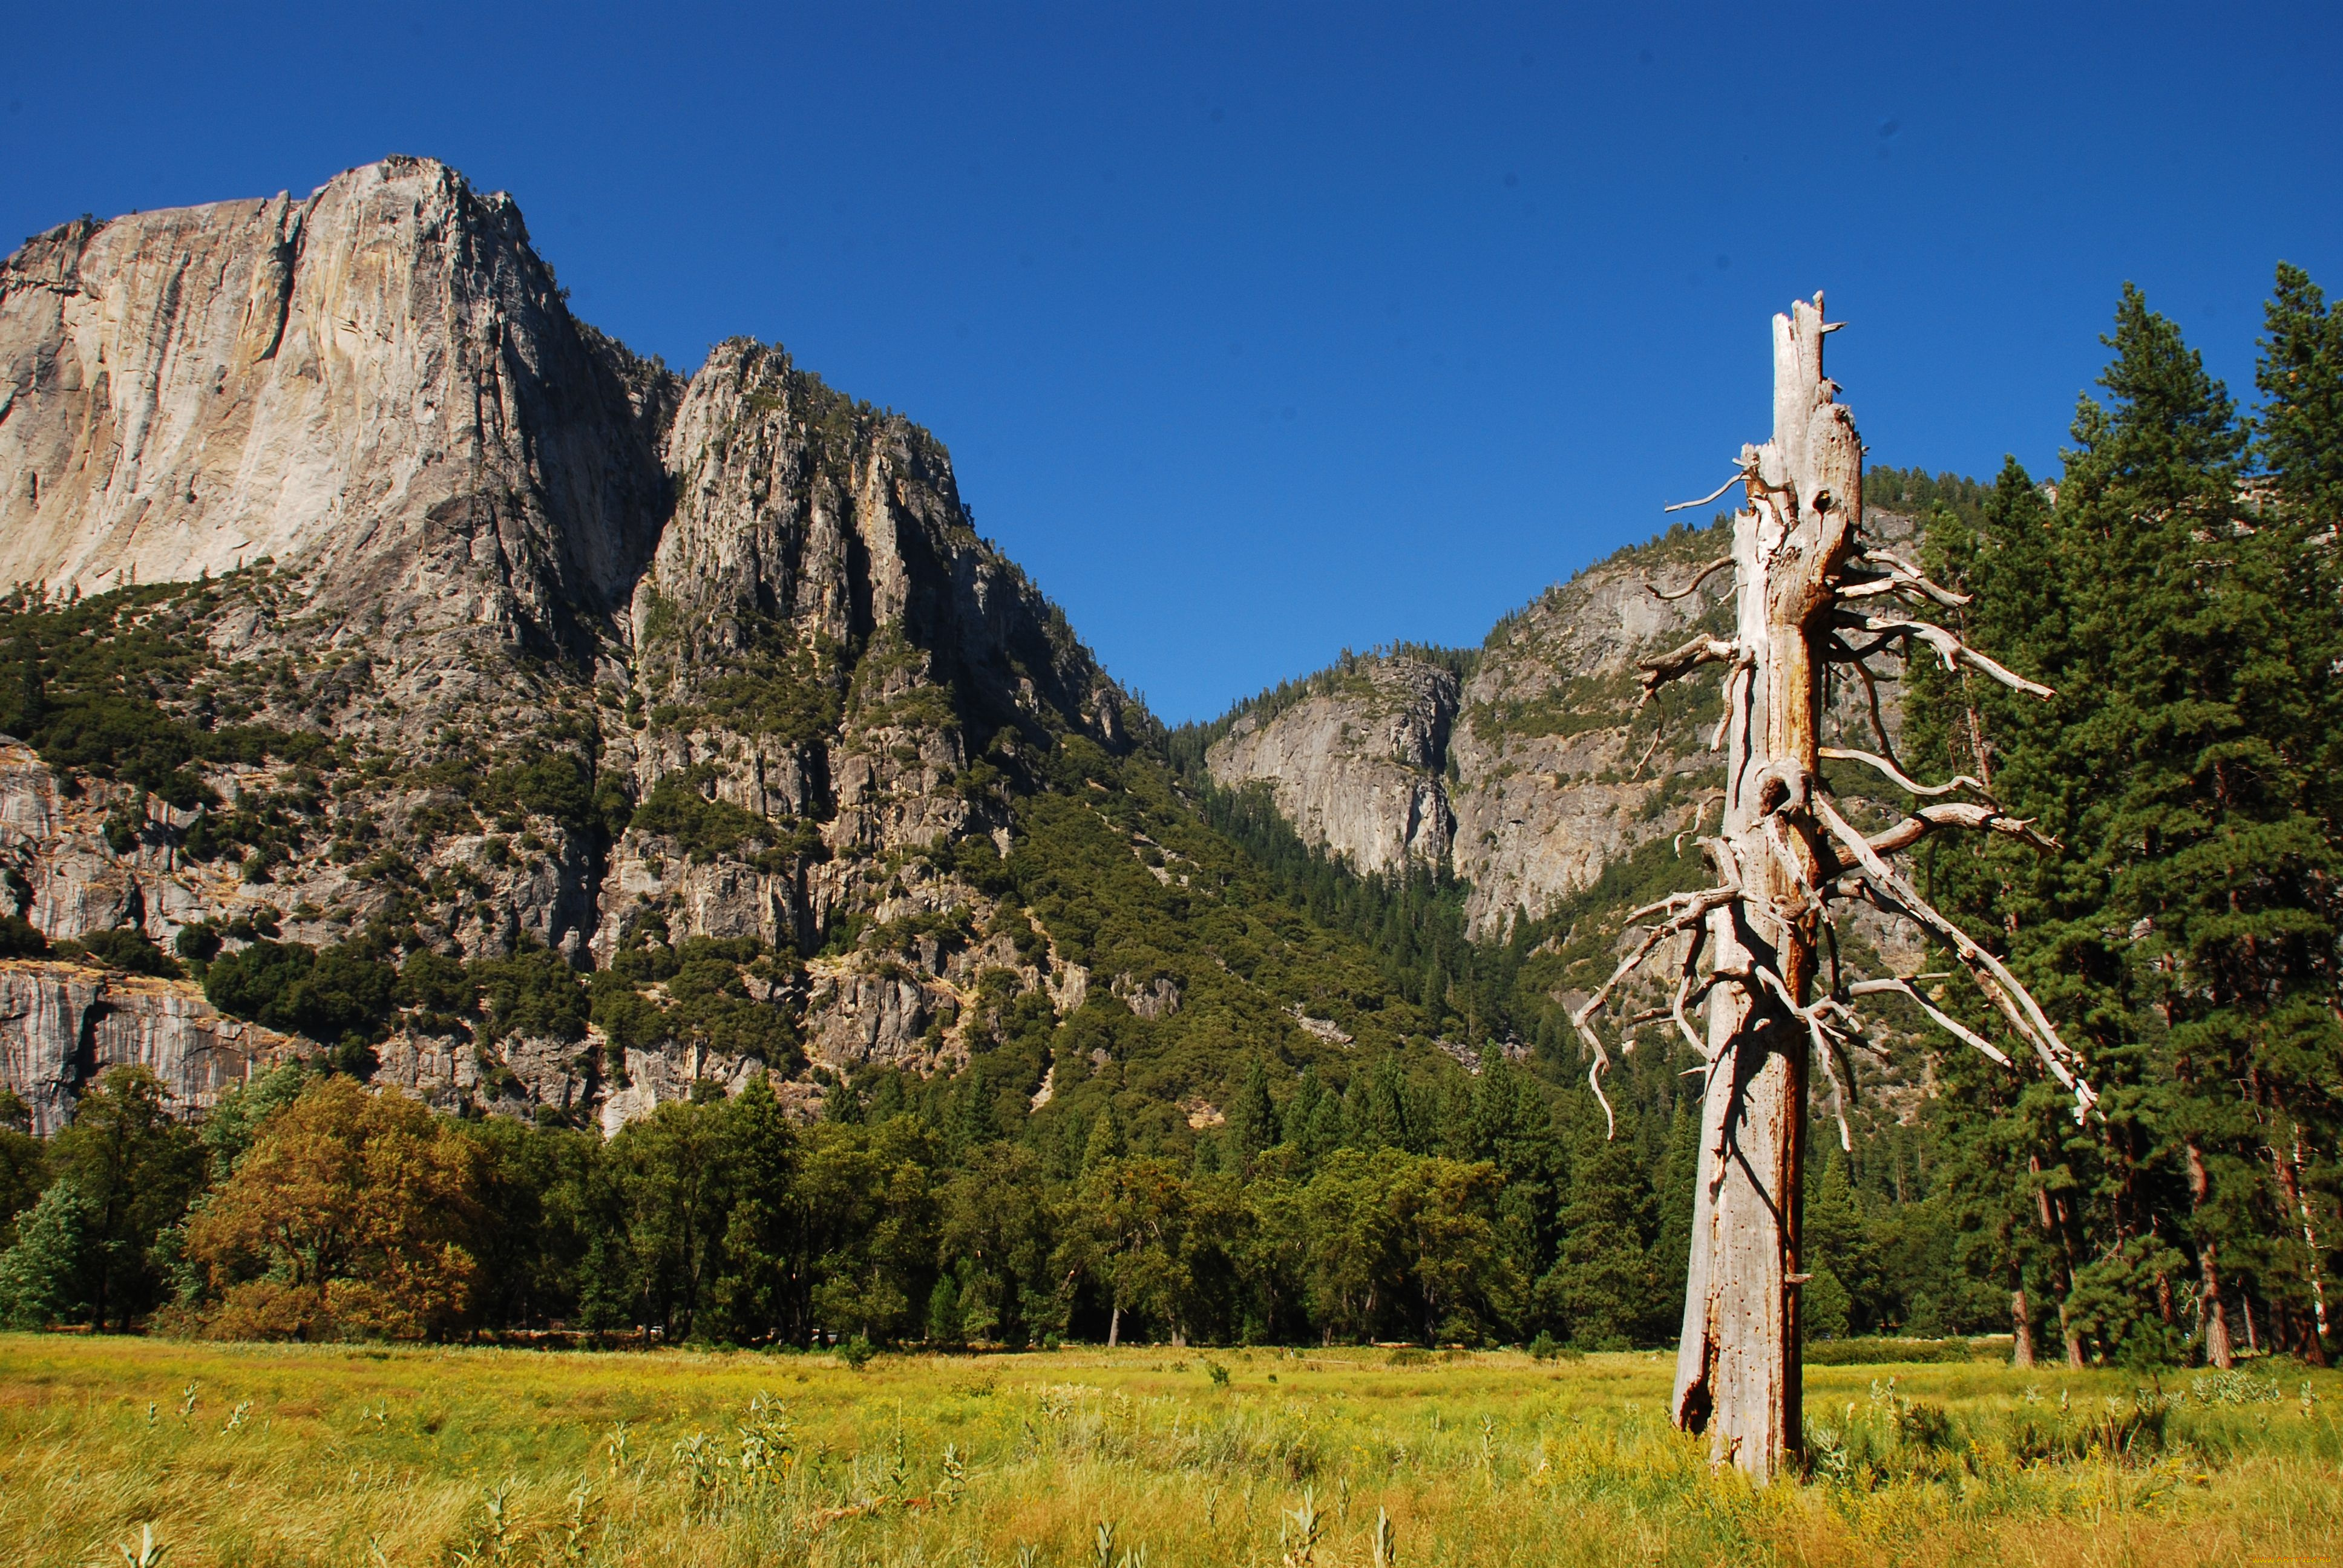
(435,983)
(130,950)
(554,787)
(20,938)
(534,992)
(341,994)
(704,828)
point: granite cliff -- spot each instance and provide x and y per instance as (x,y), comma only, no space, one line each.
(1533,771)
(366,597)
(400,671)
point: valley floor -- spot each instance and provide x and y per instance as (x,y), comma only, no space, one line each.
(281,1455)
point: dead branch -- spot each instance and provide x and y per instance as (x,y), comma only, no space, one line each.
(1945,1021)
(1658,730)
(2000,987)
(1735,694)
(1696,908)
(1680,661)
(1961,814)
(1839,651)
(1685,990)
(1699,810)
(1842,754)
(1698,578)
(1740,475)
(1902,574)
(1949,648)
(1871,696)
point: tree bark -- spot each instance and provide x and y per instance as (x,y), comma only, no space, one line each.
(2290,1183)
(2021,1329)
(2211,1321)
(2054,1225)
(1737,1363)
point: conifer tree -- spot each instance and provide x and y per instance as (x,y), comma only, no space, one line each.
(1252,1115)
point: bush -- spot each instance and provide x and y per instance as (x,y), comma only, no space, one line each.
(533,992)
(435,983)
(341,994)
(556,787)
(20,939)
(131,951)
(703,828)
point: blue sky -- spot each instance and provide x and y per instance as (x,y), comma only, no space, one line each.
(1259,331)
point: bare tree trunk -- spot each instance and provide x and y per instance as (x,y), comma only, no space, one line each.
(1114,1326)
(2210,1318)
(2289,1181)
(1808,592)
(2021,1329)
(1737,1363)
(2054,1226)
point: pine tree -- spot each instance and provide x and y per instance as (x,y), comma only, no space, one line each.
(2299,429)
(2300,444)
(1107,1142)
(1252,1115)
(1837,1253)
(2183,936)
(1604,1285)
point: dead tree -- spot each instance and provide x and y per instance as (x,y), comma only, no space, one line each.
(1811,592)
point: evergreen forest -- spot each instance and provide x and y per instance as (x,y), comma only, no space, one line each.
(1113,1175)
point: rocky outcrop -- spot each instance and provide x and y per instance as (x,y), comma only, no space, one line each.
(59,870)
(377,386)
(1355,766)
(588,654)
(1540,769)
(63,1025)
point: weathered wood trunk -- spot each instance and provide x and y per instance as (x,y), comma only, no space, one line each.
(1808,593)
(1737,1363)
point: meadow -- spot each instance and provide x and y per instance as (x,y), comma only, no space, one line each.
(129,1450)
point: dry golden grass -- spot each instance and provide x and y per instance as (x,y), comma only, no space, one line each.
(412,1457)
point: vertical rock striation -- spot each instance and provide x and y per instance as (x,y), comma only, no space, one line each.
(599,657)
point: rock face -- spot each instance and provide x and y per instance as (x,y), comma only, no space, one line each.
(589,655)
(377,386)
(1355,767)
(1539,770)
(62,1026)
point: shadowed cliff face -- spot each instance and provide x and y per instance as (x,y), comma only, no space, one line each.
(586,654)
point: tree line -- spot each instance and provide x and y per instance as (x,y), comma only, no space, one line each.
(2177,586)
(305,1205)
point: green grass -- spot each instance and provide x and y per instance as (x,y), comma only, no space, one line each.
(300,1455)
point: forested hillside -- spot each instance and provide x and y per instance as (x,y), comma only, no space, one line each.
(1196,1079)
